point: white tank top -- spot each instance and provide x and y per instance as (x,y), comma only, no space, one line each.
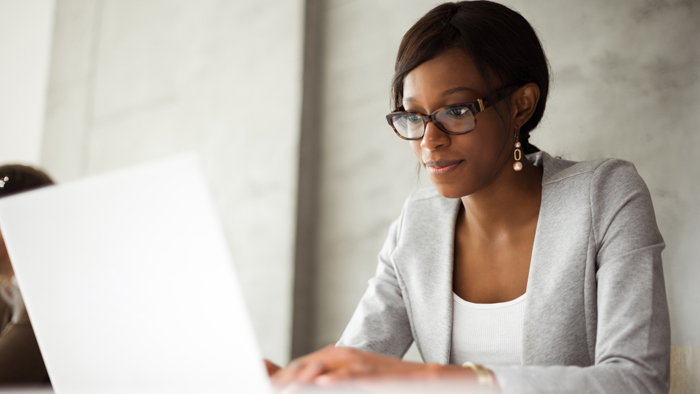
(489,334)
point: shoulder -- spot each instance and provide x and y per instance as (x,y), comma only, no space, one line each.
(557,169)
(608,189)
(428,203)
(607,177)
(423,194)
(424,211)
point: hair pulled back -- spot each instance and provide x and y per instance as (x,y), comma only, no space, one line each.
(500,42)
(21,178)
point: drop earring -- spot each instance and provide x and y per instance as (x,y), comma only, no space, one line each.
(518,154)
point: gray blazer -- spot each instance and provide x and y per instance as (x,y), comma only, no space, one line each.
(596,317)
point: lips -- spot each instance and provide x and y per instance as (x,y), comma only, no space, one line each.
(442,167)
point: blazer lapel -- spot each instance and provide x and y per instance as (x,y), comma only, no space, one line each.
(424,259)
(557,269)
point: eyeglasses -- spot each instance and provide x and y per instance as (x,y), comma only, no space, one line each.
(453,119)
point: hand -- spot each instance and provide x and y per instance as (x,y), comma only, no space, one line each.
(271,367)
(333,365)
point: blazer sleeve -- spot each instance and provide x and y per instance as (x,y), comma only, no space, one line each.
(632,348)
(380,323)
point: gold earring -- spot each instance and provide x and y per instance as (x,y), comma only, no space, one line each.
(518,154)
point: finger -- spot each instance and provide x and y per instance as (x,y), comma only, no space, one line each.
(338,357)
(330,357)
(271,367)
(335,377)
(288,373)
(310,372)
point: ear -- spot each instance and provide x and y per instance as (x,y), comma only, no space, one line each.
(523,103)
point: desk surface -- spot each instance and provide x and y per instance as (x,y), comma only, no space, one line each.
(444,387)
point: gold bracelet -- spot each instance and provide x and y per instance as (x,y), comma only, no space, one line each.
(483,375)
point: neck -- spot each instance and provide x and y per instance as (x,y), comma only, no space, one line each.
(508,203)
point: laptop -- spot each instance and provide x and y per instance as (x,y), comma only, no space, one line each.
(129,285)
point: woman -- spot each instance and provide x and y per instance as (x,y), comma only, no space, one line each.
(530,273)
(20,358)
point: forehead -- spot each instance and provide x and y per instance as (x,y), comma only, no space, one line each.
(448,70)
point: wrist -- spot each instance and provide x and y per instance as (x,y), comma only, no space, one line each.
(484,376)
(437,371)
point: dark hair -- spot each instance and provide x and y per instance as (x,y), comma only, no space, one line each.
(16,178)
(499,41)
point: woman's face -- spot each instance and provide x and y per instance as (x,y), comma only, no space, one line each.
(458,165)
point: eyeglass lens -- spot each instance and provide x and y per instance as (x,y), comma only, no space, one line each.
(454,119)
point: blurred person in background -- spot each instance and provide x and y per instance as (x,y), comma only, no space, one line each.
(20,358)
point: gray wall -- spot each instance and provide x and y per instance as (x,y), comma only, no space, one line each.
(626,84)
(26,28)
(285,100)
(134,81)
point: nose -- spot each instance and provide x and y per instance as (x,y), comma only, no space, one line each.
(434,138)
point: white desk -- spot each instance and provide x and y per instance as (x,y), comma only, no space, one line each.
(444,387)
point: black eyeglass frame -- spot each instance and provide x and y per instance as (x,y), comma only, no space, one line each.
(476,107)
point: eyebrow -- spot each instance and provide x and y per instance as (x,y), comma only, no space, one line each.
(446,92)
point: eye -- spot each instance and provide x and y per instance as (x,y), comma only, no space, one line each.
(458,112)
(413,118)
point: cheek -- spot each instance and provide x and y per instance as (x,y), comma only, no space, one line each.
(481,145)
(491,135)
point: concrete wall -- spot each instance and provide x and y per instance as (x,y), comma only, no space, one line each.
(134,81)
(307,176)
(25,46)
(365,171)
(626,84)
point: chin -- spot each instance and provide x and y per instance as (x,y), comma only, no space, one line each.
(451,191)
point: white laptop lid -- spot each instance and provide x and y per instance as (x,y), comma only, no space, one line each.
(129,285)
